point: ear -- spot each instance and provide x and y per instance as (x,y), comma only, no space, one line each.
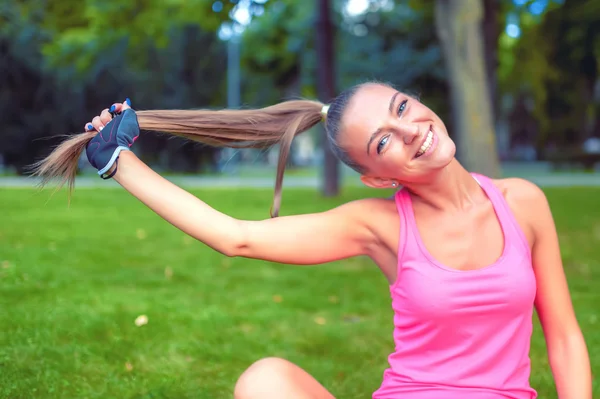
(378,182)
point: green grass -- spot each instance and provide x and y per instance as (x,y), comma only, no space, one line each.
(74,279)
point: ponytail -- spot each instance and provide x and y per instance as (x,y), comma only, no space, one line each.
(259,128)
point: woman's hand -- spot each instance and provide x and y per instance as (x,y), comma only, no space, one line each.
(117,129)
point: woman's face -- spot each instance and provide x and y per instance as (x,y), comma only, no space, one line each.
(394,137)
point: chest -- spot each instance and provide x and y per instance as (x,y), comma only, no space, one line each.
(506,288)
(462,241)
(466,241)
(470,263)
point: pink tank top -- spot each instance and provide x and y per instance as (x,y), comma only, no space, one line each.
(461,334)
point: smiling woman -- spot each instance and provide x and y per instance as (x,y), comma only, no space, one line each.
(467,257)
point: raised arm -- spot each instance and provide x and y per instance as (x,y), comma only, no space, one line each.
(308,239)
(305,239)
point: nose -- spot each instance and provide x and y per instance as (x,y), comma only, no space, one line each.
(408,131)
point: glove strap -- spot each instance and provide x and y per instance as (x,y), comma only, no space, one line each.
(112,160)
(105,176)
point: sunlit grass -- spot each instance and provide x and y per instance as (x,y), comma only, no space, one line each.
(74,280)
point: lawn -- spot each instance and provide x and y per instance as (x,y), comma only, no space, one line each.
(74,280)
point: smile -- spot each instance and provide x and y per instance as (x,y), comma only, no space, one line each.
(427,142)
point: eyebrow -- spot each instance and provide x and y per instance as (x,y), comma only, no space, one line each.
(376,132)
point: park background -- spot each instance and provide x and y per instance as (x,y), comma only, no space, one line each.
(100,298)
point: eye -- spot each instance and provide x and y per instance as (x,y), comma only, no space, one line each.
(402,107)
(382,143)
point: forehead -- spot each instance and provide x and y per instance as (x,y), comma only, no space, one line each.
(367,110)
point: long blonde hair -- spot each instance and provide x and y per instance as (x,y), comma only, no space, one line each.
(255,128)
(258,128)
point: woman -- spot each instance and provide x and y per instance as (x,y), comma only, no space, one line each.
(467,258)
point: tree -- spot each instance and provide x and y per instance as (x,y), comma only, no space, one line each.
(327,91)
(459,28)
(554,65)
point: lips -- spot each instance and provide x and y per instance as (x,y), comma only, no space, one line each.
(425,143)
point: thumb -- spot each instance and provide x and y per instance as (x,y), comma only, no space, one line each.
(126,104)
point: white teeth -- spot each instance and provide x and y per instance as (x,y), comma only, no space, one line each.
(426,144)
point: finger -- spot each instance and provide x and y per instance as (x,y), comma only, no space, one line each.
(89,127)
(126,104)
(105,116)
(116,108)
(97,122)
(113,110)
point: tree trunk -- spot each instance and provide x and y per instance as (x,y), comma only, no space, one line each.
(459,30)
(491,33)
(492,28)
(326,82)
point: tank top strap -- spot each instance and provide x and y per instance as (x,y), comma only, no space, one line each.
(510,225)
(407,241)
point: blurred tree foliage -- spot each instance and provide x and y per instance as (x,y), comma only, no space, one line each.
(551,72)
(166,54)
(63,61)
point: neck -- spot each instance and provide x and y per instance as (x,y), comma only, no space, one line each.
(452,188)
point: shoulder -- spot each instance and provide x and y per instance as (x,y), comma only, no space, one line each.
(377,216)
(528,202)
(365,209)
(521,192)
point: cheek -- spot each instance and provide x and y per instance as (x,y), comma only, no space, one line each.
(444,153)
(396,157)
(401,151)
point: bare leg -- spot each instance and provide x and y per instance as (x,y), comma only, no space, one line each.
(275,378)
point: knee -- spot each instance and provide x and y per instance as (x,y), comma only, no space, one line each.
(259,380)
